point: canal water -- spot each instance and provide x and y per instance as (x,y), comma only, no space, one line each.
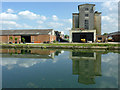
(51,68)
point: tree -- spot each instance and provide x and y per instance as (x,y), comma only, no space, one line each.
(66,36)
(105,34)
(11,38)
(23,39)
(16,39)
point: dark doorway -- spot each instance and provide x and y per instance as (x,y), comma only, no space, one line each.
(27,39)
(76,37)
(82,54)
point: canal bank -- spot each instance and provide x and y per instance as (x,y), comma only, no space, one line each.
(105,46)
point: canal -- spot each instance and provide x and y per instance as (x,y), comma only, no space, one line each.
(56,68)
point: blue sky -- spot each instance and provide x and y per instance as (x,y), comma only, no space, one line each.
(55,15)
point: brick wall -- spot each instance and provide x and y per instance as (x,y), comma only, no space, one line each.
(52,38)
(18,39)
(42,38)
(35,39)
(6,39)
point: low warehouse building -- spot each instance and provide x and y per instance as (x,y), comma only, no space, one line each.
(27,36)
(115,36)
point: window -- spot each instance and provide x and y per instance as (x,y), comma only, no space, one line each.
(86,24)
(86,9)
(86,27)
(91,11)
(86,15)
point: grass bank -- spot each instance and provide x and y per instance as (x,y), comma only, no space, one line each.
(66,46)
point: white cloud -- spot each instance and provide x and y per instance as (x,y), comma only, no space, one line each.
(67,20)
(55,24)
(13,25)
(43,18)
(55,18)
(39,22)
(8,16)
(39,26)
(110,65)
(70,20)
(67,29)
(10,11)
(110,6)
(26,26)
(10,64)
(9,24)
(110,18)
(29,15)
(62,32)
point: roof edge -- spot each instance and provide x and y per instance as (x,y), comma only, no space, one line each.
(86,4)
(26,29)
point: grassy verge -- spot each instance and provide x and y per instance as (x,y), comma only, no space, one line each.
(67,44)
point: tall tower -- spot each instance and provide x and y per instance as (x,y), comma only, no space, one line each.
(86,24)
(86,16)
(97,22)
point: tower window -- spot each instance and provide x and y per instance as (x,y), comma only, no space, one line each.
(86,9)
(86,24)
(86,15)
(86,21)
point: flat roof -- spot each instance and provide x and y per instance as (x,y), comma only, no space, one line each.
(26,32)
(115,33)
(75,13)
(86,4)
(96,12)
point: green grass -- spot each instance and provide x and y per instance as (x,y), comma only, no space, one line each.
(68,44)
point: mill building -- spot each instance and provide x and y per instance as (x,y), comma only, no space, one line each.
(86,24)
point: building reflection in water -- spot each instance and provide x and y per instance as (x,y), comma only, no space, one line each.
(28,53)
(33,56)
(87,65)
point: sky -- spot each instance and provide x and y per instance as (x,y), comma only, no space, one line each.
(53,15)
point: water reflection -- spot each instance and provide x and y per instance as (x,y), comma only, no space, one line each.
(29,53)
(26,57)
(52,68)
(87,65)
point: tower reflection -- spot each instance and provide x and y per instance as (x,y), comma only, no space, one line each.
(87,65)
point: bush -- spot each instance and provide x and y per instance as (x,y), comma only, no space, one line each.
(23,40)
(54,41)
(10,38)
(16,39)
